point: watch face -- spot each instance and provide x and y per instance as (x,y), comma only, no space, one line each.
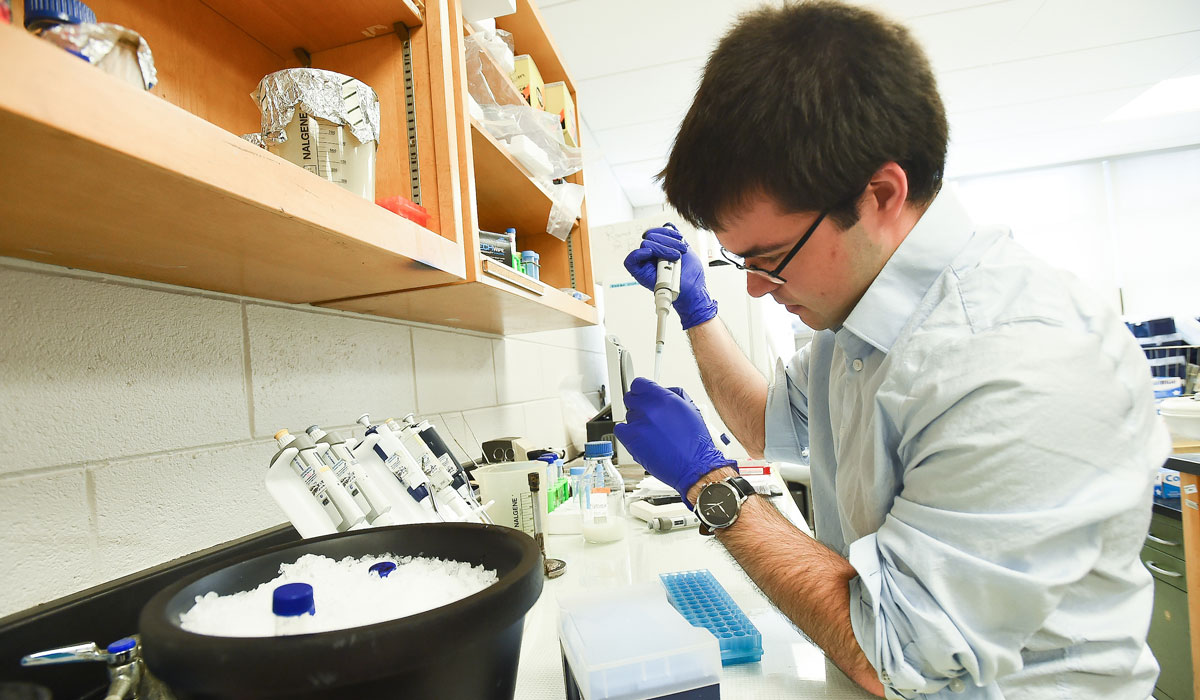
(717,505)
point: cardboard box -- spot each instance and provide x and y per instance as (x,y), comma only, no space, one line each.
(528,80)
(558,101)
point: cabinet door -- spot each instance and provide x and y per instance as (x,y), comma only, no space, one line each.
(1168,639)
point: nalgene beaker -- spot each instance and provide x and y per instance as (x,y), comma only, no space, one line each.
(325,122)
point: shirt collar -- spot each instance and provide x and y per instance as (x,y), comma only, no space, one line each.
(940,234)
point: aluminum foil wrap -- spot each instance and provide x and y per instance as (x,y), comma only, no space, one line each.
(255,139)
(96,42)
(330,96)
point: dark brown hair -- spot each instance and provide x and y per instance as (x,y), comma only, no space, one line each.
(804,103)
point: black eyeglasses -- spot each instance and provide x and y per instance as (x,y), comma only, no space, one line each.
(740,263)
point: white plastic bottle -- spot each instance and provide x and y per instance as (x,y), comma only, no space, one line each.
(310,453)
(300,492)
(387,445)
(294,609)
(366,491)
(603,492)
(440,474)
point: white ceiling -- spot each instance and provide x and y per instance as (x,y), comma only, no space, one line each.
(1025,82)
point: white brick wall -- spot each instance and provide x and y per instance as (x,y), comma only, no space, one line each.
(137,417)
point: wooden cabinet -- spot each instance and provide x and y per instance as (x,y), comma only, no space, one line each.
(159,185)
(1169,629)
(498,193)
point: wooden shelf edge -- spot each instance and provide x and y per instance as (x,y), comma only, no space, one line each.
(1181,447)
(158,193)
(487,306)
(279,26)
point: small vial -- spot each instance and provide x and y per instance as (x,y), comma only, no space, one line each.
(294,608)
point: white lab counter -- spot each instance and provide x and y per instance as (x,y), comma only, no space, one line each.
(791,666)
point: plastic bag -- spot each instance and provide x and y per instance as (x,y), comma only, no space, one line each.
(567,205)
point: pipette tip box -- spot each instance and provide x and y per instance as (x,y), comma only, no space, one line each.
(704,603)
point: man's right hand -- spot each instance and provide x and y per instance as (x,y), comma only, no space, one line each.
(694,304)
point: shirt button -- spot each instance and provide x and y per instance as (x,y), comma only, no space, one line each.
(957,685)
(857,365)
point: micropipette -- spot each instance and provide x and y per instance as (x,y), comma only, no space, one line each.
(666,290)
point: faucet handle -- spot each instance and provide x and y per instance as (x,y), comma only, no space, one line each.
(120,651)
(87,651)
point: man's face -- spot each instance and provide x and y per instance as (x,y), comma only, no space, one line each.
(825,279)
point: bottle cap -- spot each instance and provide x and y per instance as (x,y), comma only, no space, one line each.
(48,12)
(530,255)
(121,645)
(576,471)
(548,458)
(598,448)
(510,230)
(292,599)
(383,568)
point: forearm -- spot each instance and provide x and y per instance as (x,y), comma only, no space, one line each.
(806,580)
(736,388)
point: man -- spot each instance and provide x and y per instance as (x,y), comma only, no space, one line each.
(982,431)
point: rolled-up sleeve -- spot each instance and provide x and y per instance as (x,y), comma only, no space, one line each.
(1012,462)
(786,419)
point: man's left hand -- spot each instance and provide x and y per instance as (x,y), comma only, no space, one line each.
(665,433)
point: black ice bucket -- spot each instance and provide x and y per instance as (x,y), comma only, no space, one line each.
(467,649)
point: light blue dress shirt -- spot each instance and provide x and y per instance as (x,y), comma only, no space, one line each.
(983,444)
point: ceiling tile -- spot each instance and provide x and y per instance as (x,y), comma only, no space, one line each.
(630,144)
(1138,63)
(649,94)
(1074,144)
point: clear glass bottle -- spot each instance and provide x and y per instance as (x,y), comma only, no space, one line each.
(603,492)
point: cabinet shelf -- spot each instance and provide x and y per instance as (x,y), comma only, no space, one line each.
(108,178)
(315,25)
(505,191)
(490,304)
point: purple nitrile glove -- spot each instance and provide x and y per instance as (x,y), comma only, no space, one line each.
(665,433)
(694,305)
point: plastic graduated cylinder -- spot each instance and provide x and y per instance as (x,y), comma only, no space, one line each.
(382,450)
(371,498)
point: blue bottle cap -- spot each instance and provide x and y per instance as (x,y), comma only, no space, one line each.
(527,255)
(576,471)
(549,458)
(292,599)
(49,12)
(383,568)
(122,645)
(510,230)
(599,448)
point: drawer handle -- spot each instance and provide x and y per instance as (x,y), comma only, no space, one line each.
(1163,572)
(1159,540)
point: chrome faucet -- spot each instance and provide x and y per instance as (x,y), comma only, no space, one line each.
(128,677)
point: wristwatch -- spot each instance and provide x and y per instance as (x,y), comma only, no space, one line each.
(720,502)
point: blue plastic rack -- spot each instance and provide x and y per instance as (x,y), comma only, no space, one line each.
(704,603)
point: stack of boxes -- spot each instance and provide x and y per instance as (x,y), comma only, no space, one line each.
(553,98)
